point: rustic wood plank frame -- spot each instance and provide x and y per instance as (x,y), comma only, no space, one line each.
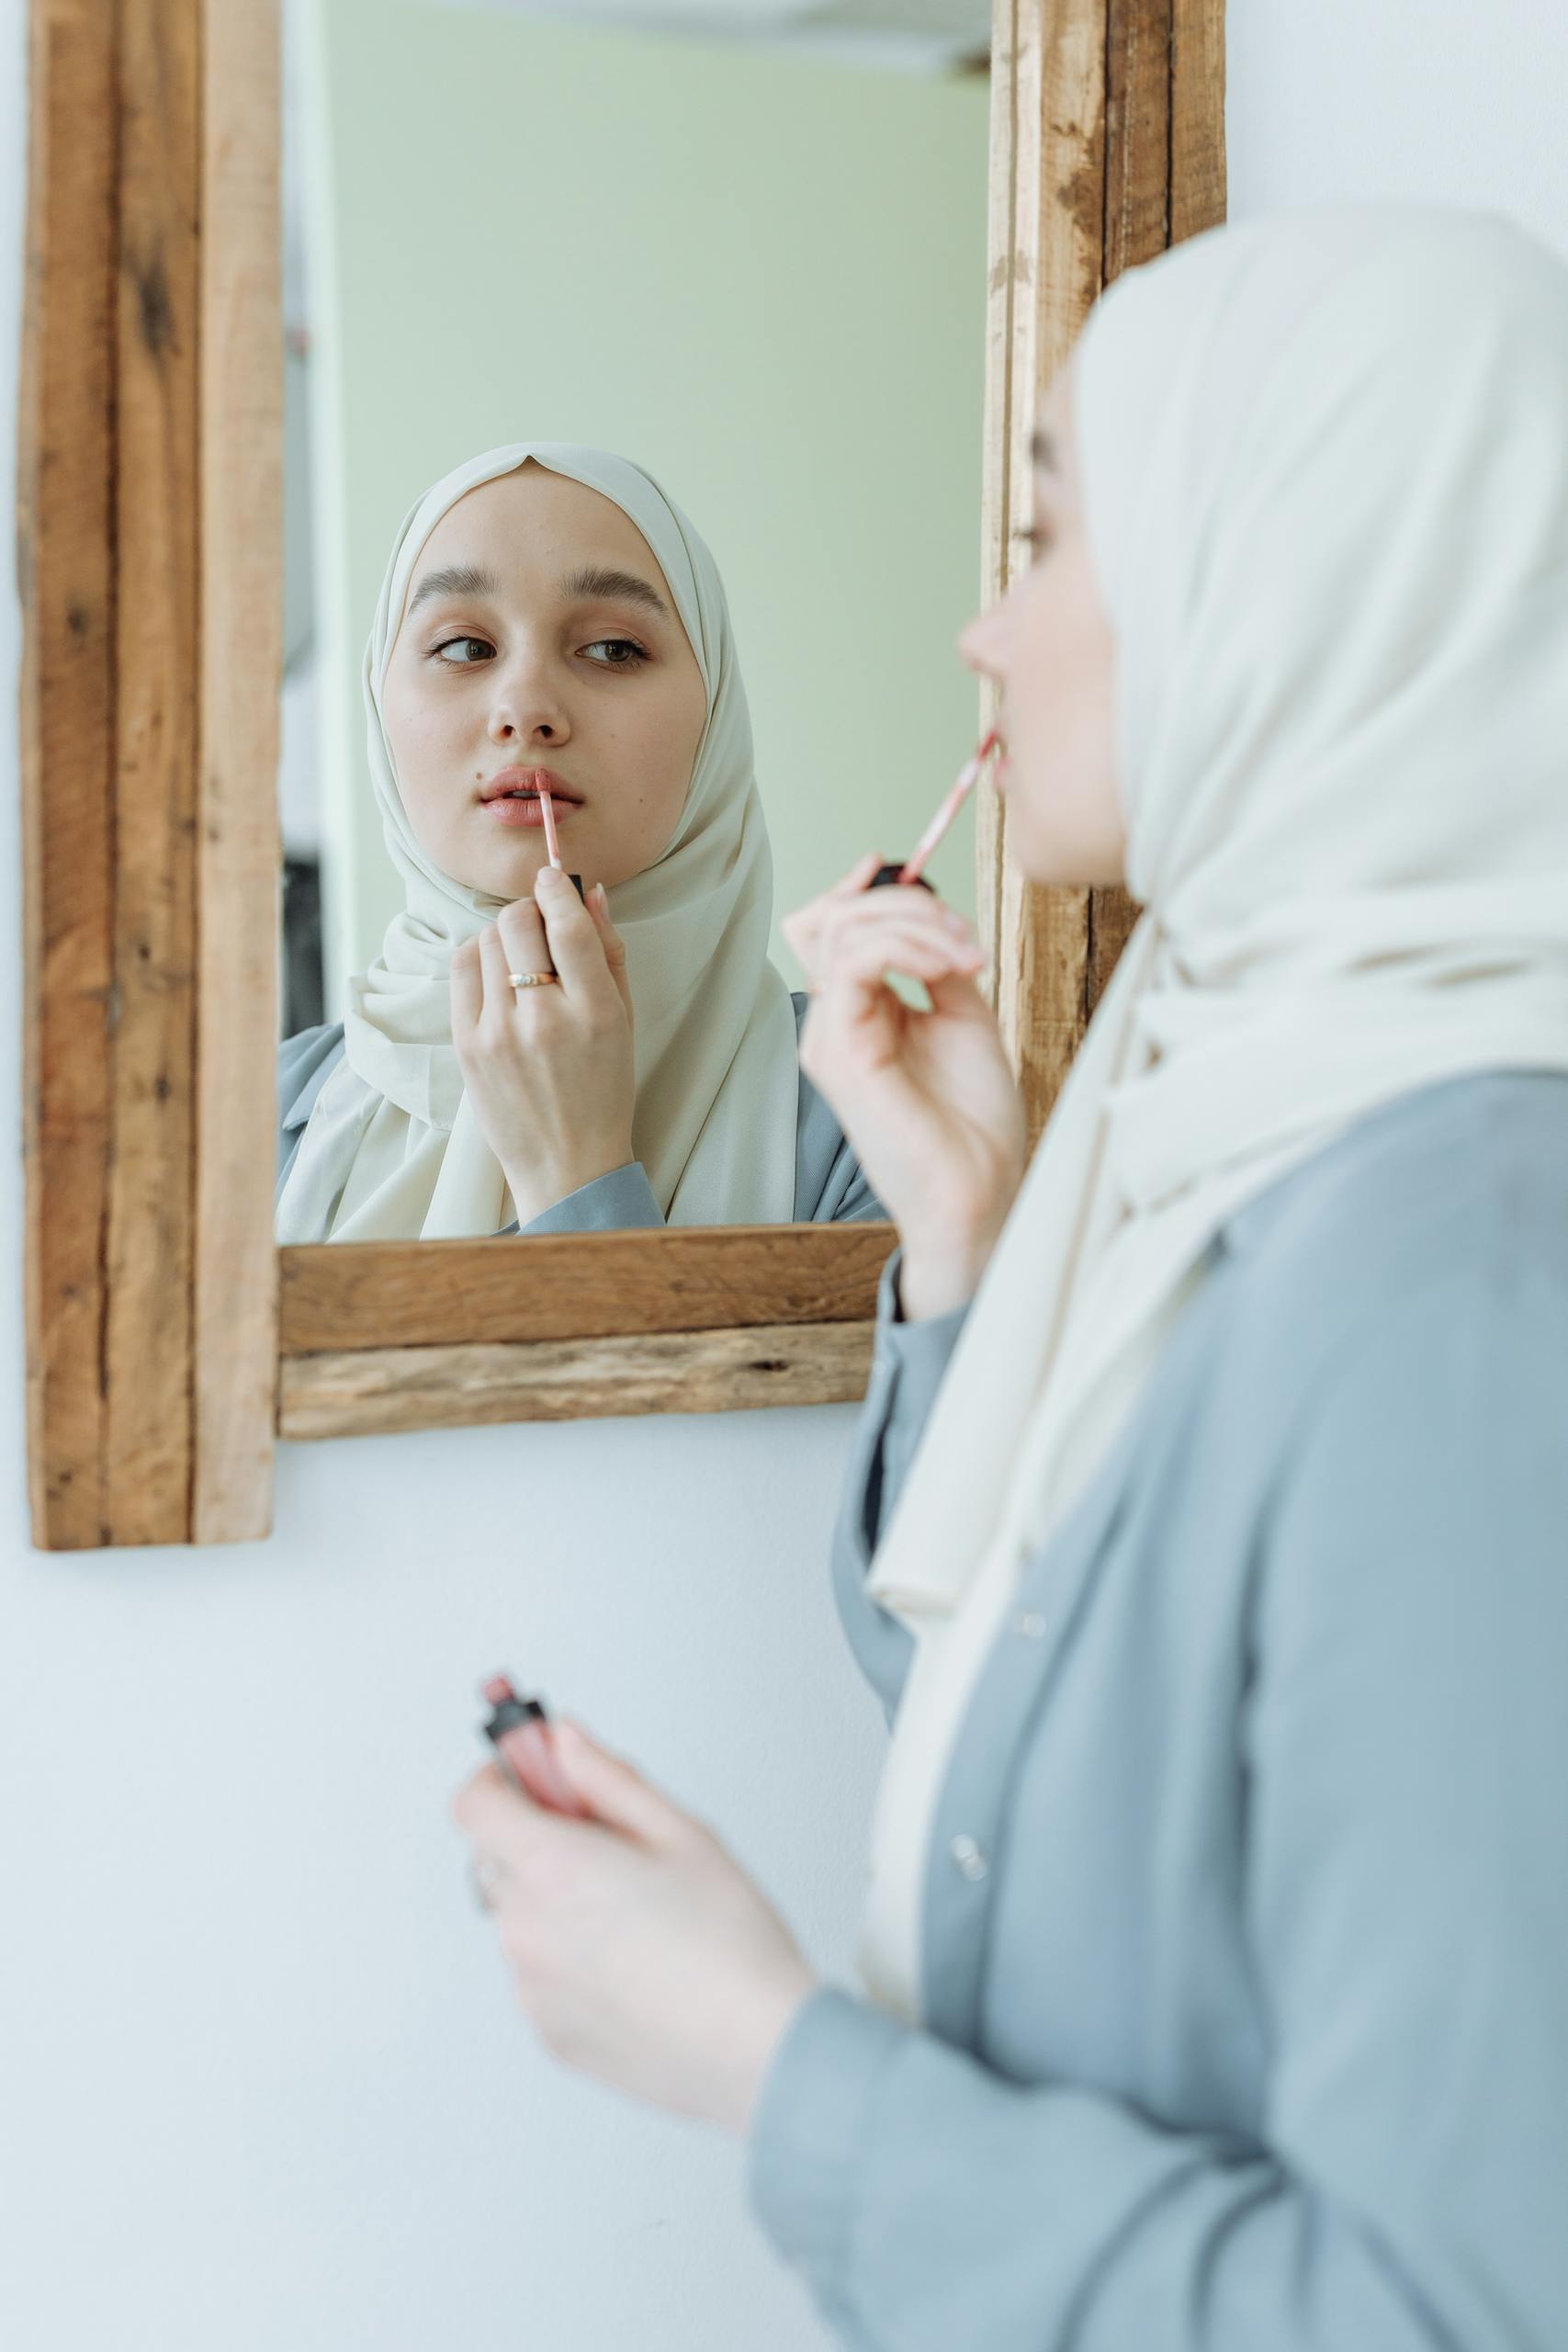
(150,451)
(1107,144)
(168,1340)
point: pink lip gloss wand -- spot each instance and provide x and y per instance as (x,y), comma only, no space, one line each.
(552,839)
(968,776)
(519,1731)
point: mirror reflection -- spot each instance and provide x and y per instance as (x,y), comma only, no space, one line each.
(564,742)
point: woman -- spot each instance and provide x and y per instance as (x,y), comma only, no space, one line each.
(516,1058)
(1205,1530)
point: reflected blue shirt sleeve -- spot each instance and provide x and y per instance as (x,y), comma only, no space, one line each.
(830,1186)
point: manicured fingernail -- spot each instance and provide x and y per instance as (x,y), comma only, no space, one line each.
(552,877)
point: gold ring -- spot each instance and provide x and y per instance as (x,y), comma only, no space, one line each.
(534,980)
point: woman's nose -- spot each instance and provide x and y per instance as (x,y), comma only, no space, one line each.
(527,710)
(979,643)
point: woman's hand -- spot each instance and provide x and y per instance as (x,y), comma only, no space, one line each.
(643,1954)
(550,1072)
(927,1099)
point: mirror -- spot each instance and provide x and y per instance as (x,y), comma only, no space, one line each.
(718,302)
(170,1342)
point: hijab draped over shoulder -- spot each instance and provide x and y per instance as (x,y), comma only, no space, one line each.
(392,1150)
(1325,471)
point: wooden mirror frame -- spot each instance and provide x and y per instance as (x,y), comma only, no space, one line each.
(168,1340)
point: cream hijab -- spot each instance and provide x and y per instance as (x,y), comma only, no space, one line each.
(392,1150)
(1325,465)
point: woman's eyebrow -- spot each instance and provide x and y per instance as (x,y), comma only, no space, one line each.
(592,583)
(1043,451)
(457,580)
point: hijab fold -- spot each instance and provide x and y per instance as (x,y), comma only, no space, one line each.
(392,1150)
(1325,469)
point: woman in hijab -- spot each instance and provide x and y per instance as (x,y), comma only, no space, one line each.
(517,1058)
(1204,1537)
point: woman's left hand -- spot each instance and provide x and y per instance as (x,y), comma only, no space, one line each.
(642,1952)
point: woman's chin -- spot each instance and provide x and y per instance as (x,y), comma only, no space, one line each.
(506,874)
(1058,860)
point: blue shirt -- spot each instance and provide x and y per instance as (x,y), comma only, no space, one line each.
(830,1188)
(1245,1925)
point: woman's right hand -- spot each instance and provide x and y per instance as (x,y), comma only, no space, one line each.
(927,1100)
(550,1072)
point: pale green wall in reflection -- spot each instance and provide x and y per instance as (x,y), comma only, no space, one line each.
(762,276)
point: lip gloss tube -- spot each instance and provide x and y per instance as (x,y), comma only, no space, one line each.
(552,841)
(519,1731)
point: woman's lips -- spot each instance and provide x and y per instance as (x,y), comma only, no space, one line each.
(517,808)
(512,797)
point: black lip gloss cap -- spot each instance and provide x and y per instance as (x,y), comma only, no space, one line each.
(576,881)
(509,1713)
(889,874)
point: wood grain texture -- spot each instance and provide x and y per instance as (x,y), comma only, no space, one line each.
(149,567)
(1165,180)
(1136,222)
(235,1310)
(1108,144)
(1197,118)
(1047,167)
(560,1287)
(66,709)
(381,1390)
(148,1369)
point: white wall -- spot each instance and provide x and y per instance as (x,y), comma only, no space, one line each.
(1439,100)
(261,2087)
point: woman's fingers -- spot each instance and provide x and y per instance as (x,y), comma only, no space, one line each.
(896,910)
(864,976)
(484,1806)
(496,965)
(802,927)
(576,945)
(524,1841)
(614,945)
(523,937)
(864,950)
(615,1792)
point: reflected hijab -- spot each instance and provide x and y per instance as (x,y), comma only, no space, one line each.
(1325,482)
(392,1148)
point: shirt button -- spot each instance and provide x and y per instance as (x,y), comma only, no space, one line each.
(966,1853)
(1029,1623)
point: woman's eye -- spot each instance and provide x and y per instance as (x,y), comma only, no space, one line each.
(1037,538)
(615,653)
(459,653)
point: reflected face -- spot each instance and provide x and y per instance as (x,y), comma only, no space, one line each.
(540,644)
(1048,645)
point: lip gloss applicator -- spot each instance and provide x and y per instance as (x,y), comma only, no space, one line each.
(552,839)
(968,776)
